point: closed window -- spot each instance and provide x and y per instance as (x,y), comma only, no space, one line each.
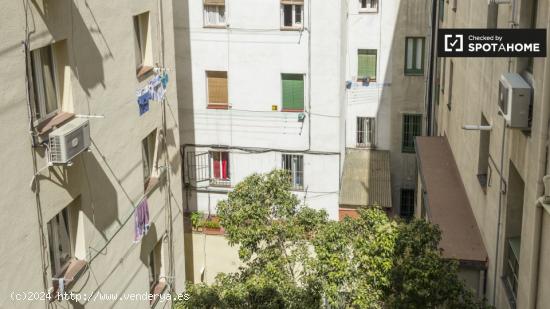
(214,13)
(59,240)
(45,83)
(149,159)
(143,47)
(412,127)
(414,63)
(407,203)
(294,164)
(293,92)
(292,14)
(366,64)
(365,131)
(217,90)
(368,5)
(220,170)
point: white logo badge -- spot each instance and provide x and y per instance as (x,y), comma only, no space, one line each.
(454,42)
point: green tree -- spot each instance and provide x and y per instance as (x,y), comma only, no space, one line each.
(294,257)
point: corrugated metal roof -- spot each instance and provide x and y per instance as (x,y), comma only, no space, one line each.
(366,179)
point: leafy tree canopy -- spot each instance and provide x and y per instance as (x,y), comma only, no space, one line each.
(294,257)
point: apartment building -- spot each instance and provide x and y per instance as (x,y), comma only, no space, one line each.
(482,173)
(92,202)
(386,43)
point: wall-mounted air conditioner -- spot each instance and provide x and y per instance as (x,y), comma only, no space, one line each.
(69,140)
(514,98)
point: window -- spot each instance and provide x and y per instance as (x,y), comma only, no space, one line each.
(483,161)
(294,164)
(214,12)
(441,10)
(412,127)
(407,203)
(149,159)
(293,92)
(365,131)
(220,170)
(450,89)
(368,5)
(217,90)
(155,265)
(59,239)
(45,83)
(414,56)
(292,14)
(143,48)
(366,64)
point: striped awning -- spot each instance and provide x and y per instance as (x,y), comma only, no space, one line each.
(367,179)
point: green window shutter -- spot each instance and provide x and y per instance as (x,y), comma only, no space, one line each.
(366,66)
(293,91)
(412,127)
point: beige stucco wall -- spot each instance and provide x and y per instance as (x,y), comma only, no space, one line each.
(108,179)
(212,255)
(475,90)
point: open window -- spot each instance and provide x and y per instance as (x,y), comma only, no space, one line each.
(155,265)
(150,156)
(292,14)
(143,44)
(294,164)
(214,13)
(368,6)
(51,94)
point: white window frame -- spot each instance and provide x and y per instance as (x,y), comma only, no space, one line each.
(371,6)
(220,181)
(54,228)
(38,84)
(366,128)
(295,25)
(296,174)
(221,19)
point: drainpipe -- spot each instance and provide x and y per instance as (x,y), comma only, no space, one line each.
(431,70)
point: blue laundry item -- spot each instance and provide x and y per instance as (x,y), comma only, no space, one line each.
(155,89)
(164,80)
(143,98)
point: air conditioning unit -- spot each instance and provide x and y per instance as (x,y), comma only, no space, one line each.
(514,98)
(69,140)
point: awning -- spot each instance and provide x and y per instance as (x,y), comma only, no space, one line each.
(446,202)
(366,179)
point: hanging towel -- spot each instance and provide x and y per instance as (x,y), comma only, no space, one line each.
(156,89)
(143,97)
(141,219)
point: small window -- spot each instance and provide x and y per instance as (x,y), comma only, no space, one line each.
(483,159)
(217,90)
(155,266)
(149,158)
(441,10)
(365,132)
(292,14)
(366,64)
(414,58)
(293,92)
(214,13)
(407,204)
(143,47)
(60,243)
(219,168)
(46,99)
(294,164)
(412,127)
(368,5)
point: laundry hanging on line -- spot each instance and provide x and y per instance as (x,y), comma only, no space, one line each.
(141,219)
(155,90)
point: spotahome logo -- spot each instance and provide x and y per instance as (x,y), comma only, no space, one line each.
(491,43)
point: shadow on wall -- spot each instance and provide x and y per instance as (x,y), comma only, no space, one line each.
(185,113)
(86,59)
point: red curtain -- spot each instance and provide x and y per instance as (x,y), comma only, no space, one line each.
(221,165)
(225,162)
(216,159)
